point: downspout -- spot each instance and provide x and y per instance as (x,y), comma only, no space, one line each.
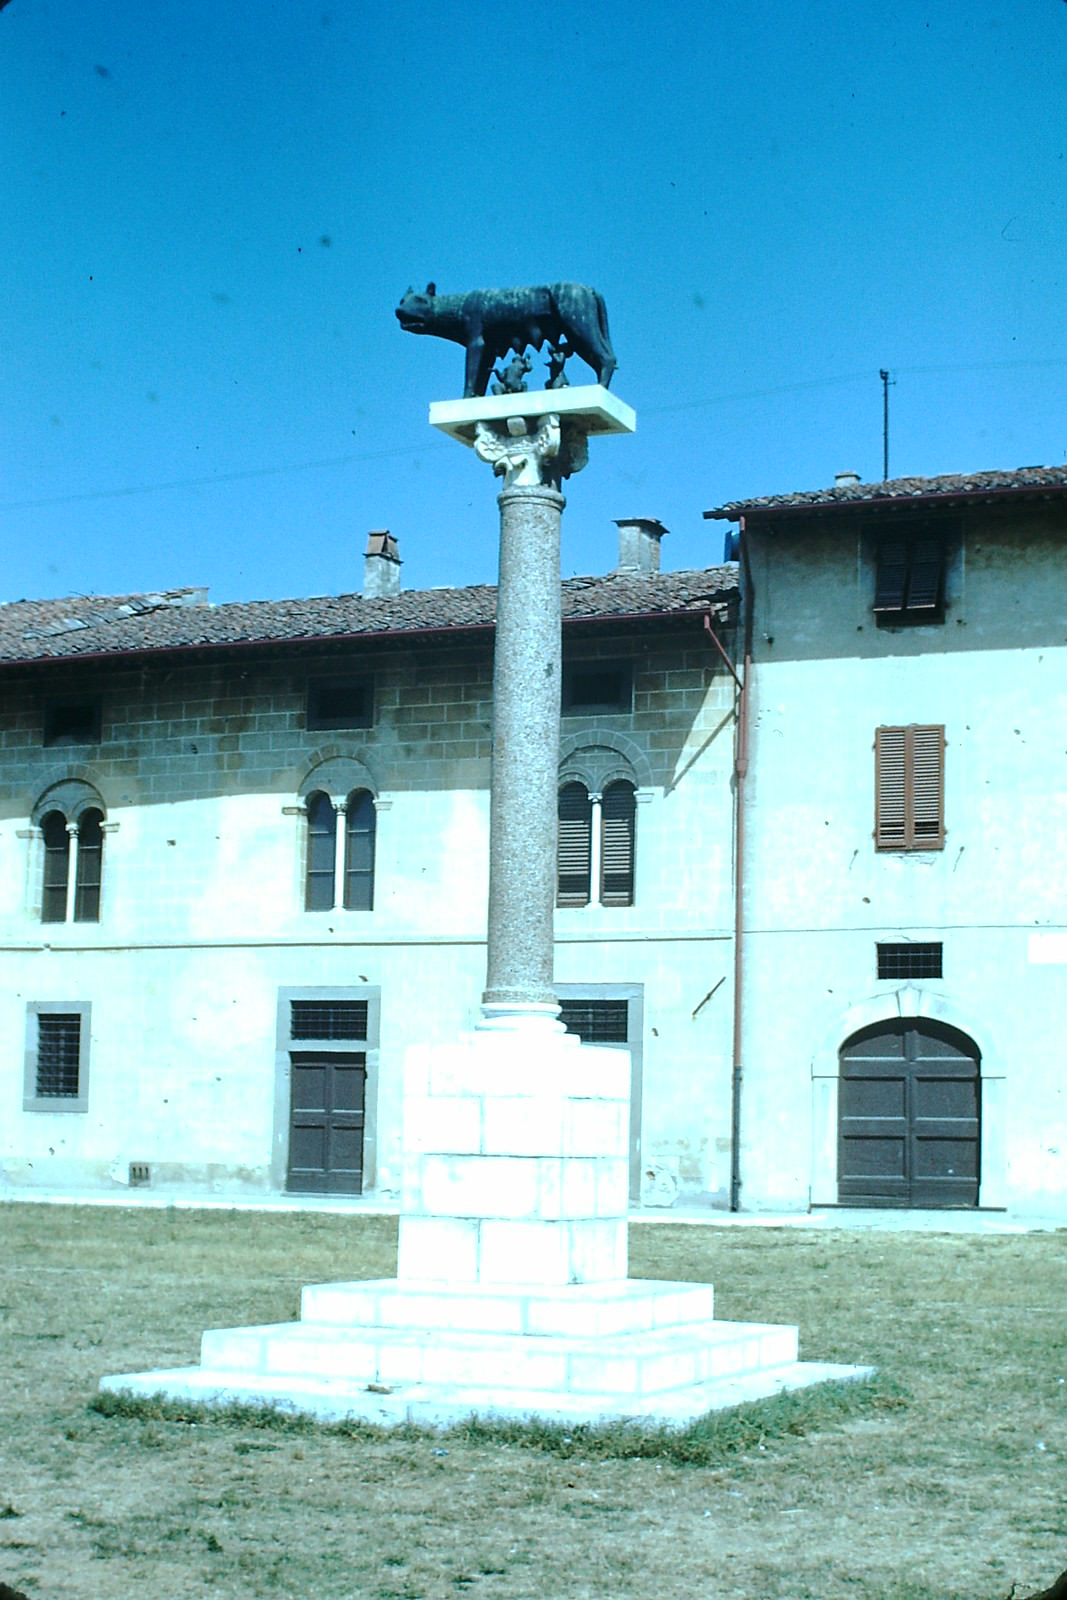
(740,769)
(740,773)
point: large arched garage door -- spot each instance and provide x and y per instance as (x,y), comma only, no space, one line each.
(909,1116)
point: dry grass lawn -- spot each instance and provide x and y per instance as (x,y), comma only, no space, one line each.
(955,1490)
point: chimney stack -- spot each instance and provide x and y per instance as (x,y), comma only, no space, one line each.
(639,539)
(381,566)
(846,480)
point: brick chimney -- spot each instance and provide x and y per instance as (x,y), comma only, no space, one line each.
(381,566)
(639,539)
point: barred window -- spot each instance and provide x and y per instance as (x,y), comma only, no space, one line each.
(56,1077)
(328,1019)
(912,960)
(58,1056)
(597,1021)
(909,783)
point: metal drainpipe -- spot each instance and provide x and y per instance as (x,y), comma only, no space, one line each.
(740,769)
(740,772)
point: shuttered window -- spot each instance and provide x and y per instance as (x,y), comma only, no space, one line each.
(618,809)
(909,768)
(322,852)
(911,581)
(56,867)
(359,852)
(575,859)
(90,867)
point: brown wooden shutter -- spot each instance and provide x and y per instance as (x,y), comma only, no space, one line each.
(924,580)
(909,766)
(322,853)
(927,763)
(892,576)
(56,867)
(360,819)
(90,867)
(575,852)
(618,810)
(890,808)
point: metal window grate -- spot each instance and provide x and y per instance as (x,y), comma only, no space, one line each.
(58,1056)
(597,1021)
(328,1019)
(909,960)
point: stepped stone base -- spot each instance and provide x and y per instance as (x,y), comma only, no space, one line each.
(394,1352)
(511,1298)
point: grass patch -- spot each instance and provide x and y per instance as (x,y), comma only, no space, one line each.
(709,1442)
(939,1479)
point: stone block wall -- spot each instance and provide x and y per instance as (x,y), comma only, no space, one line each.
(202,767)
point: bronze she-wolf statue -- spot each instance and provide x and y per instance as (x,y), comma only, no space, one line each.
(490,322)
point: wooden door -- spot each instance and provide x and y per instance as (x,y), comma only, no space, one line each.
(909,1117)
(326,1121)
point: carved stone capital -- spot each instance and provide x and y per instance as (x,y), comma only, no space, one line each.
(553,449)
(515,454)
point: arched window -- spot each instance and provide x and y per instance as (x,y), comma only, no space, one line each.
(89,873)
(56,867)
(71,819)
(359,851)
(575,857)
(618,813)
(321,852)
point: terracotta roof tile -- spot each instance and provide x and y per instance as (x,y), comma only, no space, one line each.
(951,486)
(181,619)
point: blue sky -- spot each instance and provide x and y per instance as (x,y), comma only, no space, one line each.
(210,212)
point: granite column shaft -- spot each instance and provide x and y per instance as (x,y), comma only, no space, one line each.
(525,763)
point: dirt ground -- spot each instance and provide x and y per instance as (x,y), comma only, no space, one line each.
(958,1492)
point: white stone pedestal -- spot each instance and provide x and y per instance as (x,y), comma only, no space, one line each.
(511,1298)
(515,1166)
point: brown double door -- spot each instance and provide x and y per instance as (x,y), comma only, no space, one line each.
(909,1120)
(328,1090)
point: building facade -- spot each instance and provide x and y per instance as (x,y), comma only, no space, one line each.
(904,945)
(244,863)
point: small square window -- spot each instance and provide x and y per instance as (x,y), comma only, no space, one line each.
(328,1019)
(57,1056)
(590,686)
(909,960)
(340,703)
(72,722)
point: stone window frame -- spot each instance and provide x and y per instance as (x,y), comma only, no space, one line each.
(286,1041)
(70,797)
(31,1100)
(634,994)
(340,777)
(596,759)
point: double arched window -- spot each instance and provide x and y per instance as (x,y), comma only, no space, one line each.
(340,851)
(597,844)
(71,823)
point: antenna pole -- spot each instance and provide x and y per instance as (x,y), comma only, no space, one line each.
(884,375)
